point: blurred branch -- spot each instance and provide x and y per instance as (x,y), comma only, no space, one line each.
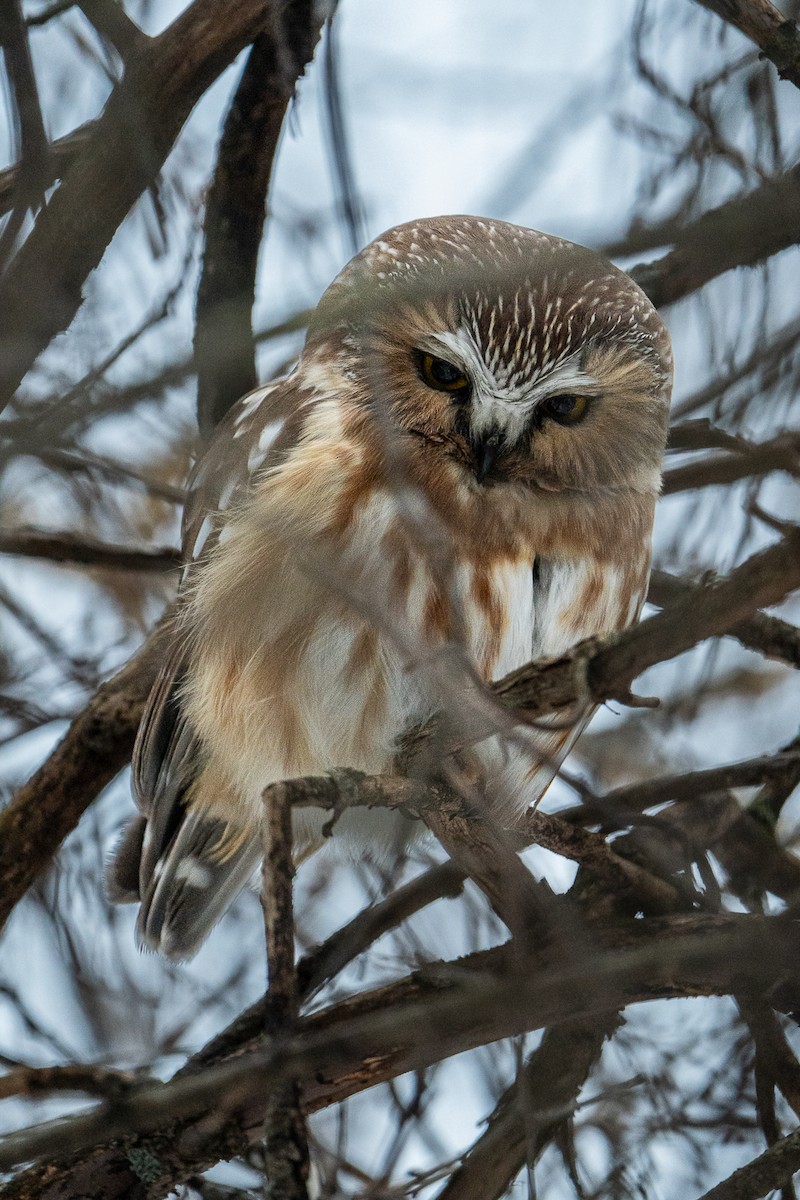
(763,23)
(702,434)
(739,233)
(77,550)
(747,460)
(765,359)
(96,746)
(768,635)
(36,1082)
(83,462)
(224,346)
(42,289)
(426,1017)
(332,956)
(56,9)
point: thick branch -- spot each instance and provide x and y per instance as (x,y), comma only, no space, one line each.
(429,1016)
(768,635)
(766,26)
(42,290)
(96,746)
(740,233)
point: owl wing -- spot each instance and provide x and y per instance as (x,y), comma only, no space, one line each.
(169,858)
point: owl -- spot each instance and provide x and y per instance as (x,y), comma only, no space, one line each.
(462,468)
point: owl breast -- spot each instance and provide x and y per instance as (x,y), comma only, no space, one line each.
(325,665)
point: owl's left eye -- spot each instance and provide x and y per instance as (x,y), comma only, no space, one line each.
(566,410)
(443,375)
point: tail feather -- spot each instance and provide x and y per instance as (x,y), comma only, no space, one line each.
(193,884)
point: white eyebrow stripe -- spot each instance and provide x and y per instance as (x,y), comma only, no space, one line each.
(565,377)
(491,379)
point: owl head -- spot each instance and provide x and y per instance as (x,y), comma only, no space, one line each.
(526,359)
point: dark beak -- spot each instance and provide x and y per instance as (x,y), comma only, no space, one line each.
(486,452)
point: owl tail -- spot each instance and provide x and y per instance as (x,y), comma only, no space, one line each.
(189,886)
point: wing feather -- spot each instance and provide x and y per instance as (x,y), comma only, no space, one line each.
(168,857)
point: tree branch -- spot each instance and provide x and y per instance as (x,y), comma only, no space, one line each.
(73,549)
(740,233)
(765,634)
(523,1122)
(763,1175)
(96,746)
(286,1161)
(766,26)
(405,1026)
(224,345)
(42,289)
(747,461)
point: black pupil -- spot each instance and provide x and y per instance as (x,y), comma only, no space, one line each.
(561,405)
(444,372)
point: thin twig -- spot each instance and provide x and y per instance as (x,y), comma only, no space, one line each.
(73,549)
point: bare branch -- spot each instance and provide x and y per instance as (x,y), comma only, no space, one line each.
(694,784)
(224,346)
(73,549)
(113,23)
(769,1171)
(96,746)
(42,290)
(740,233)
(404,1026)
(286,1161)
(766,26)
(35,1082)
(62,153)
(747,461)
(768,635)
(542,1098)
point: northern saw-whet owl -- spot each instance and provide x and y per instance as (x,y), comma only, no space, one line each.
(503,388)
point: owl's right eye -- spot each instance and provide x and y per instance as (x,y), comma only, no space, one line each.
(442,375)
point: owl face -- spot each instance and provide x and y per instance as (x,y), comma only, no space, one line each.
(521,358)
